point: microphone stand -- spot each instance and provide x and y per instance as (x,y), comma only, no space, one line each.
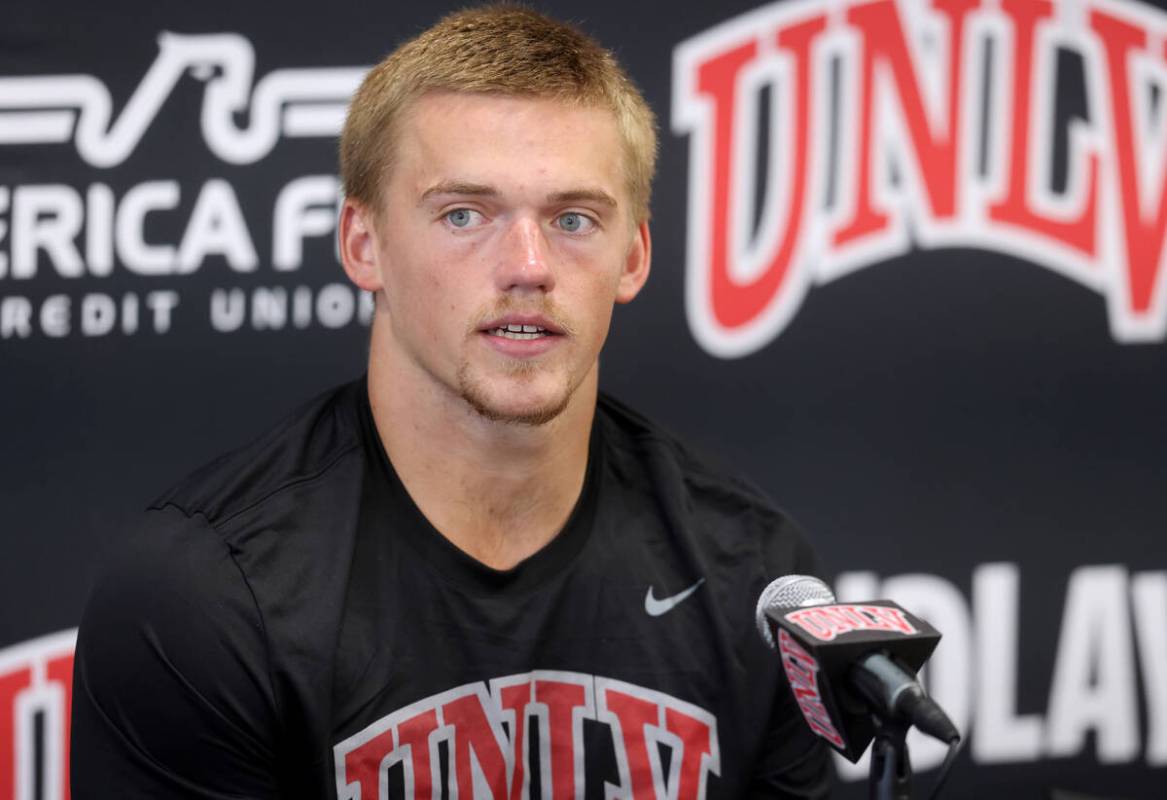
(891,770)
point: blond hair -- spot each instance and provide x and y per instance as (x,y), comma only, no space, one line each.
(497,49)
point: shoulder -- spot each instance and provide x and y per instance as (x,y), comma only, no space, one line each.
(181,549)
(182,638)
(175,585)
(304,447)
(723,508)
(636,444)
(172,672)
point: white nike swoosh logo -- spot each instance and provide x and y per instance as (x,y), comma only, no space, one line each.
(656,607)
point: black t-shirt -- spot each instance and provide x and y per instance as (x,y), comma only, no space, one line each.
(288,624)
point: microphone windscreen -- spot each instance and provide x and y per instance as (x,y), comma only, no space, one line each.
(785,594)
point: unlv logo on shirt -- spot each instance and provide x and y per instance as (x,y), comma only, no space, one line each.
(943,116)
(487,736)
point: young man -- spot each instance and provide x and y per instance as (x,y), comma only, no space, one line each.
(463,575)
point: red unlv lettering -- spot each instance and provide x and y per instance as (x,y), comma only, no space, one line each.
(36,677)
(827,622)
(802,672)
(486,732)
(900,150)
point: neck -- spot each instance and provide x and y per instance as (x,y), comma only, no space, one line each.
(499,491)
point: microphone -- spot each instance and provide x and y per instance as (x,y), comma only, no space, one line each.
(849,663)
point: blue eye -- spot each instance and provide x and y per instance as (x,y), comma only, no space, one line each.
(573,222)
(460,217)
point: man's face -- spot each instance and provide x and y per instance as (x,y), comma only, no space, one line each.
(504,239)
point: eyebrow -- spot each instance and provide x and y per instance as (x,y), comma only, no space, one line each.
(585,196)
(458,187)
(465,188)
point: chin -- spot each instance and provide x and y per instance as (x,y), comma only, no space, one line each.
(517,405)
(531,414)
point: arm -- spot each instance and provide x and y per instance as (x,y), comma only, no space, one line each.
(172,694)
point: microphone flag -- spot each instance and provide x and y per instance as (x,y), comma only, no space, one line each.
(820,646)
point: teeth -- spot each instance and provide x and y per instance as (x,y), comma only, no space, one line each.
(520,332)
(513,330)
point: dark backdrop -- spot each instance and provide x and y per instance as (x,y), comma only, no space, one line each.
(936,413)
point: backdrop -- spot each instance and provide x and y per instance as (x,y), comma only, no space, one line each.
(908,276)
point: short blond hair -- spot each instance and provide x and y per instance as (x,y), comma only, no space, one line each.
(498,49)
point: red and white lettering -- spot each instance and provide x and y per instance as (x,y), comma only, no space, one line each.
(1030,111)
(745,291)
(36,677)
(1139,298)
(930,142)
(514,697)
(12,684)
(802,673)
(911,133)
(477,740)
(486,732)
(566,705)
(826,622)
(467,718)
(642,720)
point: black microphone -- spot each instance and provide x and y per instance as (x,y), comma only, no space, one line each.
(849,661)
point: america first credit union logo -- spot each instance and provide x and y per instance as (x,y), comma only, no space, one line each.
(87,260)
(924,123)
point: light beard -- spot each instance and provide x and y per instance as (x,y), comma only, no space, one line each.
(474,392)
(476,397)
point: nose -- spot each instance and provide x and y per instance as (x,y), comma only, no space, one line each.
(524,263)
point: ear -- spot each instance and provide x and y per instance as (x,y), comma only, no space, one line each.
(358,245)
(636,265)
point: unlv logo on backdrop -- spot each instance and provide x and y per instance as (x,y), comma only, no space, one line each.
(959,96)
(487,738)
(36,690)
(48,109)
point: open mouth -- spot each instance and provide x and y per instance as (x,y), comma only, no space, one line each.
(521,332)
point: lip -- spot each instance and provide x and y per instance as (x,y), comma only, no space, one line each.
(522,319)
(522,348)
